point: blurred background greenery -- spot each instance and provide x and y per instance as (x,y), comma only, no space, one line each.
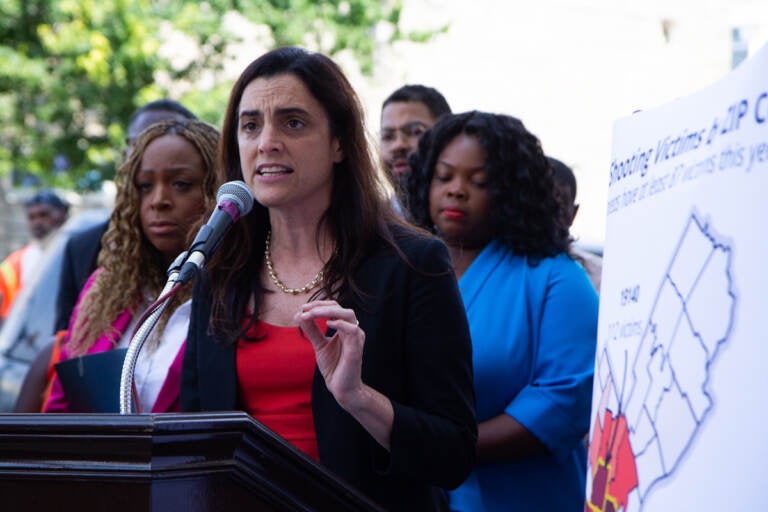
(73,71)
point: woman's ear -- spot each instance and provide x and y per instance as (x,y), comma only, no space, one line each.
(337,152)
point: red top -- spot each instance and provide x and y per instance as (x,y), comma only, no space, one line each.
(274,378)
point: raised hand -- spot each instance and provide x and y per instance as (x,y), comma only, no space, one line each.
(339,357)
(340,360)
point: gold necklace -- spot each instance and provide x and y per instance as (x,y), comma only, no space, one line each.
(280,285)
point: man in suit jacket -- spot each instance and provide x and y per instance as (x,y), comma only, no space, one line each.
(79,261)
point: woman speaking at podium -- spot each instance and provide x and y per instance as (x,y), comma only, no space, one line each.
(322,315)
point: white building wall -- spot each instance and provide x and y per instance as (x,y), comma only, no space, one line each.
(567,68)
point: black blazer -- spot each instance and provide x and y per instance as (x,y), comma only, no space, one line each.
(417,352)
(79,262)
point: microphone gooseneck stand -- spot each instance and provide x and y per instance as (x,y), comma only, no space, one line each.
(144,328)
(233,200)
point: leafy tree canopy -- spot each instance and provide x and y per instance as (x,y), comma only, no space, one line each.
(73,71)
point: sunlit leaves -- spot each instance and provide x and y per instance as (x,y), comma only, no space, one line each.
(73,71)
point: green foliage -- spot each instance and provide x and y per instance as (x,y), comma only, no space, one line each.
(73,71)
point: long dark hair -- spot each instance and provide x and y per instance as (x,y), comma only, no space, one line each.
(359,214)
(524,210)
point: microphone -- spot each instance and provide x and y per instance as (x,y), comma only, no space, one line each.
(233,200)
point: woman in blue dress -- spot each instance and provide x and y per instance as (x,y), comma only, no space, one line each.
(482,183)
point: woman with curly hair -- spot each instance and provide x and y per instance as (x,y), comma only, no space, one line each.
(482,183)
(164,187)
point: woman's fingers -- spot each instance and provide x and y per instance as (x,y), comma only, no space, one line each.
(327,309)
(338,358)
(344,326)
(309,327)
(316,303)
(342,320)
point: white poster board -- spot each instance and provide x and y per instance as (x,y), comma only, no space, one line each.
(680,400)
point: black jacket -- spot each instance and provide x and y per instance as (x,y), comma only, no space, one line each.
(417,353)
(80,255)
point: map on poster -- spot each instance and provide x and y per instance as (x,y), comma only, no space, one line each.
(682,363)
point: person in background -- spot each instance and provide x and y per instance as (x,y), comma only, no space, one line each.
(82,248)
(317,316)
(165,186)
(151,113)
(565,181)
(482,183)
(405,115)
(78,263)
(46,212)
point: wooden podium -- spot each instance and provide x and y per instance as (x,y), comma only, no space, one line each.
(170,462)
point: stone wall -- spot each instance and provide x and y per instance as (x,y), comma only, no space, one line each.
(13,228)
